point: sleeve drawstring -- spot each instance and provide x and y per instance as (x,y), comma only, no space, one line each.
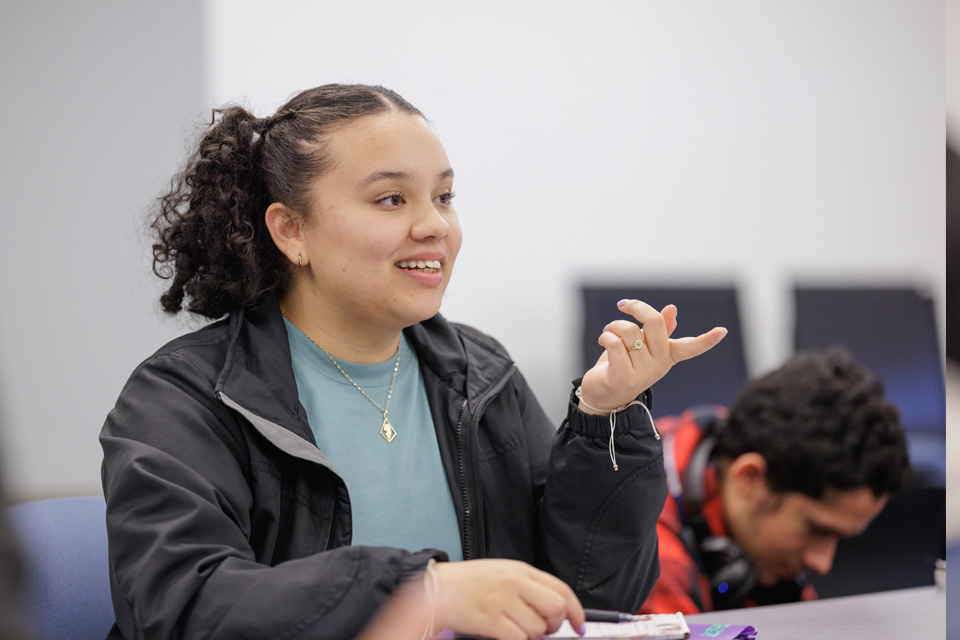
(613,422)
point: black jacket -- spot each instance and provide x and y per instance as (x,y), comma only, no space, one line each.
(226,521)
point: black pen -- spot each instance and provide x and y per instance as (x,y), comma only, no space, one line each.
(599,615)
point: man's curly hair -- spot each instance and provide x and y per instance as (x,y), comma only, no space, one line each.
(212,240)
(821,422)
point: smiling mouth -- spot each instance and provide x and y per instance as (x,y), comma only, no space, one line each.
(423,266)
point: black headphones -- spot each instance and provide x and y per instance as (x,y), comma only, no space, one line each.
(731,573)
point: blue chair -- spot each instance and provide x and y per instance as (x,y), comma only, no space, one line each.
(67,582)
(953,595)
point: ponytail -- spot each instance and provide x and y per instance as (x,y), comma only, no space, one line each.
(213,241)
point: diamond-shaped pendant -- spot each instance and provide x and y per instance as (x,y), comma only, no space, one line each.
(387,430)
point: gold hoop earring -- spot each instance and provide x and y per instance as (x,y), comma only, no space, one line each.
(300,260)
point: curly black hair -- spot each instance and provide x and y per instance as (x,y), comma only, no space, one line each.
(212,239)
(821,422)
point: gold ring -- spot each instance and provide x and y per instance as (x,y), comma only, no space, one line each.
(638,344)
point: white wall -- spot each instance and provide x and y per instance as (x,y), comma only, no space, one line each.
(953,370)
(756,142)
(95,100)
(953,71)
(746,141)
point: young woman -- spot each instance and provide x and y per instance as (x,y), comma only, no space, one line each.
(282,471)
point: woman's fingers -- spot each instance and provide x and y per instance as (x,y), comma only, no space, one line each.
(658,327)
(686,348)
(626,330)
(503,599)
(617,354)
(506,628)
(527,617)
(623,370)
(654,324)
(669,314)
(543,606)
(627,333)
(570,608)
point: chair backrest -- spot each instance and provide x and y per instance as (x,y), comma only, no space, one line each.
(892,332)
(898,550)
(67,580)
(713,378)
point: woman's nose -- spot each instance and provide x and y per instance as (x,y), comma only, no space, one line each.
(429,222)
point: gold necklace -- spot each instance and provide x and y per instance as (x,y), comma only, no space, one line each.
(386,429)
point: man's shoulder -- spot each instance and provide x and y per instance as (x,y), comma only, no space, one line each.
(701,418)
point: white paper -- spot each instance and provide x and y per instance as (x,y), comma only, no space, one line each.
(659,626)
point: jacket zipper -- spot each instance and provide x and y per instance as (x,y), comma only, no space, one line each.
(478,490)
(464,494)
(476,515)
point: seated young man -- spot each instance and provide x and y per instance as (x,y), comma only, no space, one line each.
(806,455)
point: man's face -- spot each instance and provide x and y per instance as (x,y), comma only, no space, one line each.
(786,533)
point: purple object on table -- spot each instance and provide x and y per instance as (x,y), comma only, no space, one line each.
(722,631)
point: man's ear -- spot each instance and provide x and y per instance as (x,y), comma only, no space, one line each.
(747,478)
(286,229)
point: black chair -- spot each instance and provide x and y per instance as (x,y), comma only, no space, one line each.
(898,550)
(892,332)
(714,377)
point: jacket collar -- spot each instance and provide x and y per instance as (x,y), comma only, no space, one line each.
(468,362)
(258,374)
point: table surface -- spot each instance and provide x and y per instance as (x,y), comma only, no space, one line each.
(887,615)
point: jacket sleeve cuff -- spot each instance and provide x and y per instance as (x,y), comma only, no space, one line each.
(633,420)
(415,563)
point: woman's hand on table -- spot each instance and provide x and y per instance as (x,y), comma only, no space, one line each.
(503,599)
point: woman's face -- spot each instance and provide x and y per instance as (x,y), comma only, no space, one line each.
(382,235)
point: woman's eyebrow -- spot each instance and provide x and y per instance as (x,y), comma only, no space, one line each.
(377,176)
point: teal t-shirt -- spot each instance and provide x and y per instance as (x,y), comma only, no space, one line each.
(398,490)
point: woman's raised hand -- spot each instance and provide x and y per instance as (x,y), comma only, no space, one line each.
(503,599)
(634,358)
